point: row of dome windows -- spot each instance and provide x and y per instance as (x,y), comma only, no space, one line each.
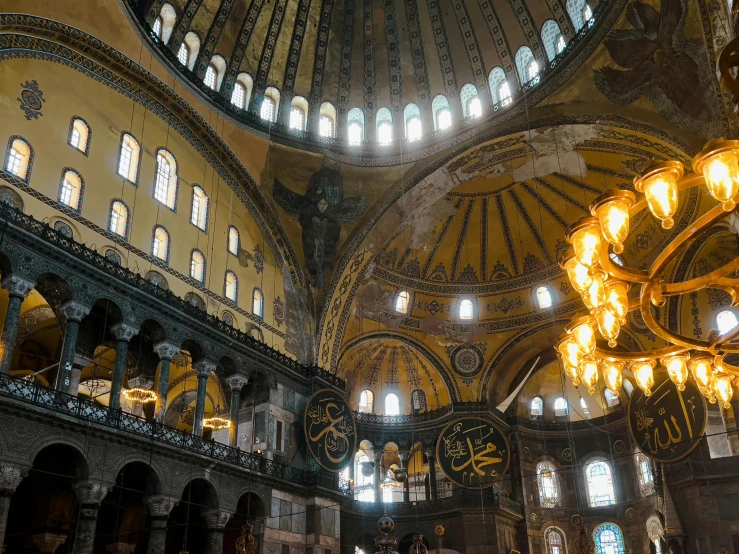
(18,161)
(526,65)
(392,402)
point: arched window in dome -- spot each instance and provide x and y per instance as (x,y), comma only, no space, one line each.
(197,266)
(466,309)
(418,401)
(537,407)
(552,38)
(270,104)
(242,91)
(18,159)
(442,115)
(402,301)
(257,303)
(412,117)
(543,297)
(214,72)
(384,127)
(128,158)
(726,321)
(183,54)
(234,240)
(189,50)
(585,410)
(580,13)
(355,127)
(71,189)
(497,80)
(548,487)
(367,402)
(608,539)
(231,287)
(560,407)
(79,135)
(599,480)
(160,244)
(118,220)
(610,397)
(327,120)
(199,211)
(644,471)
(528,69)
(298,109)
(166,180)
(392,404)
(471,106)
(556,543)
(164,23)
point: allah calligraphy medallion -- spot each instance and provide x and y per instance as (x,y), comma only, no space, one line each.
(667,425)
(330,430)
(473,453)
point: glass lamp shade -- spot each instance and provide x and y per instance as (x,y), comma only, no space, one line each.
(719,164)
(569,351)
(584,335)
(573,372)
(612,210)
(677,369)
(659,185)
(578,274)
(594,296)
(589,373)
(616,298)
(613,376)
(584,235)
(724,390)
(701,367)
(644,375)
(608,326)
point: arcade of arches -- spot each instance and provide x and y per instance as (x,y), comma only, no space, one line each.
(212,209)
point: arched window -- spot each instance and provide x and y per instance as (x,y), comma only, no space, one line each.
(270,103)
(242,91)
(608,539)
(234,240)
(551,36)
(199,211)
(214,73)
(726,321)
(412,117)
(327,120)
(367,402)
(118,221)
(548,489)
(165,181)
(189,49)
(364,477)
(183,54)
(211,75)
(471,106)
(584,406)
(70,189)
(418,401)
(164,24)
(611,398)
(298,109)
(392,404)
(526,65)
(644,471)
(556,543)
(578,10)
(197,266)
(466,309)
(231,287)
(79,135)
(599,483)
(18,159)
(157,28)
(537,406)
(228,319)
(384,127)
(560,407)
(543,298)
(496,80)
(401,302)
(160,244)
(128,158)
(355,126)
(442,115)
(113,256)
(257,303)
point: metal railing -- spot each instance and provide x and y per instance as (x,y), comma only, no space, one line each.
(89,411)
(457,407)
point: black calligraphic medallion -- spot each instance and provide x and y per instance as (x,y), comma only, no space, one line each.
(473,453)
(330,430)
(667,425)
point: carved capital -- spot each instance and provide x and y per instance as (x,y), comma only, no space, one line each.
(124,331)
(237,381)
(204,367)
(166,350)
(141,382)
(90,492)
(216,518)
(74,311)
(11,476)
(159,505)
(430,452)
(17,286)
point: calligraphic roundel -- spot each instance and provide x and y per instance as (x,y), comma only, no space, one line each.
(473,453)
(667,425)
(330,430)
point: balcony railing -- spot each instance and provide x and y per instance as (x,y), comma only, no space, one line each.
(89,411)
(457,407)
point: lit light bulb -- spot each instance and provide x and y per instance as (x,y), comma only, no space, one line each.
(584,336)
(595,294)
(608,326)
(617,298)
(720,167)
(612,210)
(659,185)
(585,238)
(570,351)
(573,372)
(724,390)
(677,369)
(644,375)
(589,373)
(701,367)
(612,375)
(579,274)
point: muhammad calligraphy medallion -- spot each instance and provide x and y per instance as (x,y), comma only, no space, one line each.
(330,429)
(473,453)
(667,425)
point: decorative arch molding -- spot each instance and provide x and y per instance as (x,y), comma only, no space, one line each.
(422,349)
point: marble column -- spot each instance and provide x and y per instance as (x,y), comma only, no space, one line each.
(406,496)
(166,351)
(73,313)
(89,494)
(377,480)
(18,288)
(216,520)
(203,368)
(431,455)
(11,476)
(159,509)
(123,333)
(236,382)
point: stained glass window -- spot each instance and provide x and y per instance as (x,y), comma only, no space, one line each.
(555,542)
(600,483)
(644,470)
(608,539)
(548,490)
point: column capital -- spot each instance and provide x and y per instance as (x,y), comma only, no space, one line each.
(217,518)
(90,492)
(237,381)
(160,506)
(141,382)
(204,367)
(74,311)
(166,350)
(430,452)
(17,286)
(124,331)
(11,476)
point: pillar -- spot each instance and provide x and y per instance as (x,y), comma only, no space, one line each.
(431,455)
(73,313)
(406,496)
(11,476)
(123,333)
(377,480)
(166,351)
(203,368)
(216,520)
(236,382)
(159,509)
(89,494)
(18,288)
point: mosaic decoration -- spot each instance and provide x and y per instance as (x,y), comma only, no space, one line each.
(500,41)
(467,360)
(265,61)
(63,228)
(214,33)
(505,305)
(278,311)
(330,430)
(227,318)
(444,53)
(461,237)
(393,55)
(258,260)
(473,453)
(184,22)
(472,47)
(437,243)
(293,57)
(667,425)
(506,232)
(419,60)
(319,63)
(31,99)
(345,70)
(523,16)
(113,256)
(370,94)
(237,54)
(391,381)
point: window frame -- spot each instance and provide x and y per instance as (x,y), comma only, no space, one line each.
(113,202)
(407,302)
(555,499)
(228,240)
(458,311)
(254,292)
(186,47)
(619,535)
(371,402)
(203,210)
(211,69)
(537,297)
(135,183)
(173,182)
(235,298)
(261,109)
(80,195)
(191,273)
(566,407)
(87,138)
(385,404)
(592,498)
(541,404)
(29,162)
(164,260)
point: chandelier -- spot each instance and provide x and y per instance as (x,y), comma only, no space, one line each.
(144,396)
(216,423)
(604,283)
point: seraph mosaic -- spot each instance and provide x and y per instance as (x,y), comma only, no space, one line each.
(673,72)
(321,211)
